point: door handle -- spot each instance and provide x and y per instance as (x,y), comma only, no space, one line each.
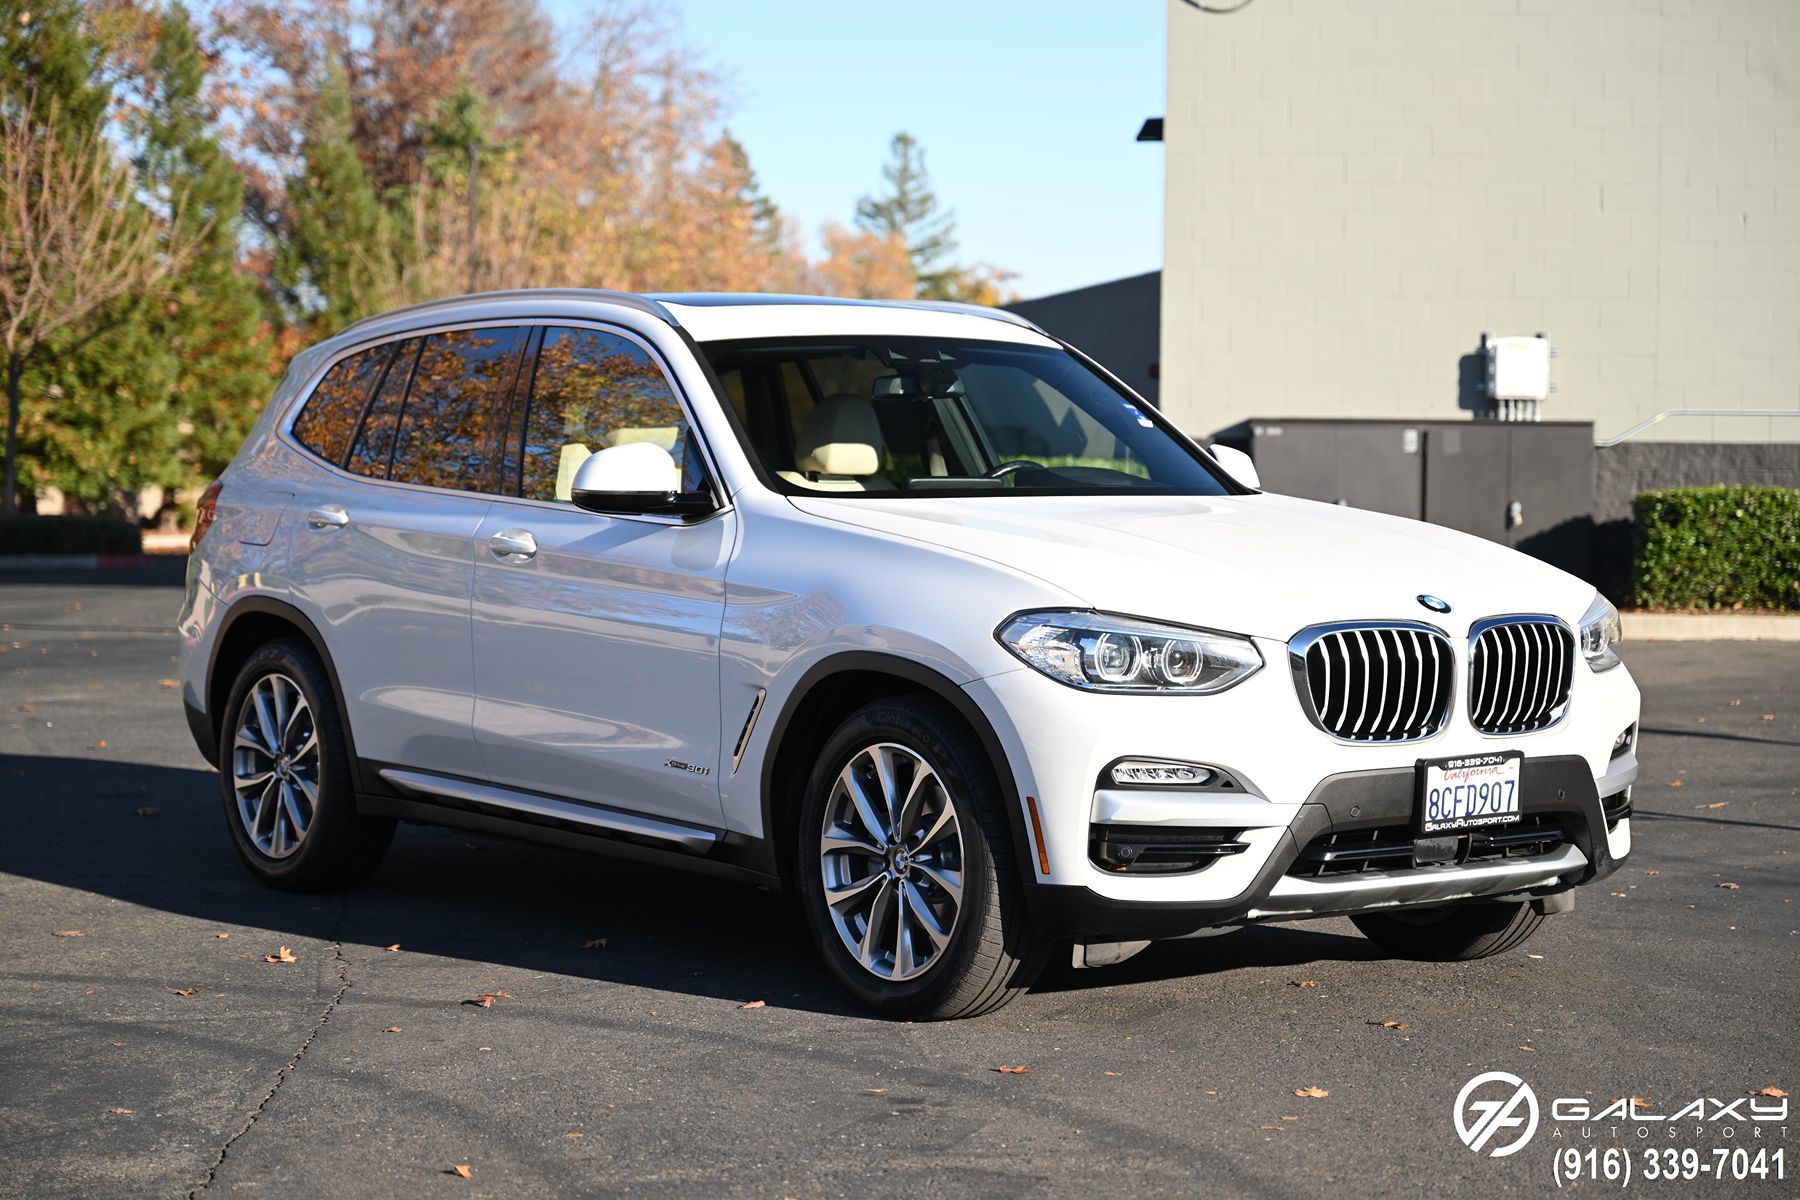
(328,516)
(513,544)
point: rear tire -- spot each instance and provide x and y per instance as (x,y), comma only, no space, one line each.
(285,777)
(1457,933)
(944,859)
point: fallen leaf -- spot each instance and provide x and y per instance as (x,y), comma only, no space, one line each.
(168,683)
(1019,1070)
(222,936)
(283,955)
(118,1043)
(1643,1102)
(462,1170)
(1312,1093)
(755,1004)
(1714,806)
(1676,783)
(1115,1074)
(874,1091)
(1653,872)
(1304,982)
(1271,1128)
(484,1049)
(100,745)
(393,1029)
(1730,887)
(186,991)
(149,810)
(1774,1092)
(122,1112)
(68,933)
(486,999)
(1290,1118)
(393,947)
(575,1136)
(1620,895)
(1736,703)
(1768,716)
(1537,956)
(1529,1049)
(1390,1024)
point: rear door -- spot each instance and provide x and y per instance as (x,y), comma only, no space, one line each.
(383,554)
(596,652)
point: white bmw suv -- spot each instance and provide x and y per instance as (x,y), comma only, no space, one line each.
(909,609)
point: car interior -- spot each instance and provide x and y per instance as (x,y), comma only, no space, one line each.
(899,416)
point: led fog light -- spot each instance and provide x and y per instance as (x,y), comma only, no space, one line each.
(1142,771)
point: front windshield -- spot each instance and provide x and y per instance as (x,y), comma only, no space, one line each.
(918,416)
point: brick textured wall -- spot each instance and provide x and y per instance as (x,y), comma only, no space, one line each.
(1358,188)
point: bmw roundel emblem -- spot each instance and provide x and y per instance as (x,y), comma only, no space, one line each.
(1434,604)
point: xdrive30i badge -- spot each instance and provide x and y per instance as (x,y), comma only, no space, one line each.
(1434,604)
(690,768)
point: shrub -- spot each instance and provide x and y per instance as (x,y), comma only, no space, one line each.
(69,535)
(1718,547)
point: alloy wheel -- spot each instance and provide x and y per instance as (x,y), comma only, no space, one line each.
(275,765)
(891,858)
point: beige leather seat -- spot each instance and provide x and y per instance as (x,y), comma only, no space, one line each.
(839,448)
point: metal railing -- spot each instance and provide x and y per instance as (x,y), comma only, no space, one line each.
(1659,418)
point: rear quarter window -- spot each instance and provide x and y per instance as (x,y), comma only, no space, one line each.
(327,422)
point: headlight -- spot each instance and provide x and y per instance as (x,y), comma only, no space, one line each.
(1601,634)
(1100,653)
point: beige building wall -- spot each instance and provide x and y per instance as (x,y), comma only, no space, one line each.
(1357,189)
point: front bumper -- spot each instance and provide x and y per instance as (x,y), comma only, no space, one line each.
(1559,791)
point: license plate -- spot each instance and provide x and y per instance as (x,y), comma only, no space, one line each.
(1470,792)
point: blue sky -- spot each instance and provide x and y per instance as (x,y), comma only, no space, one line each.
(1026,111)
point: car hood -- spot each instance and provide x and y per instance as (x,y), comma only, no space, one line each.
(1262,564)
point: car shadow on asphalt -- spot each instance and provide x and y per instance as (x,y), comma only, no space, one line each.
(154,836)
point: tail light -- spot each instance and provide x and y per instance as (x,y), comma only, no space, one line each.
(203,518)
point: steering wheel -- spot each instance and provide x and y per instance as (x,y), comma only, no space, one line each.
(1010,465)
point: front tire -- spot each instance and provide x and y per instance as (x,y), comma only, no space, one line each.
(1457,933)
(285,778)
(906,867)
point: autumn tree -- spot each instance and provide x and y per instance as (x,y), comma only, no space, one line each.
(76,253)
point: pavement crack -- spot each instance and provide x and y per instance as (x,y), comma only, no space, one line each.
(283,1075)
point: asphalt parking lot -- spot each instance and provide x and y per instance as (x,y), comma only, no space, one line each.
(159,1054)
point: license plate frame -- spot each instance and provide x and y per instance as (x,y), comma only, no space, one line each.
(1468,792)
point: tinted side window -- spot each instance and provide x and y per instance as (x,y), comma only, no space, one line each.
(375,442)
(593,390)
(455,413)
(328,422)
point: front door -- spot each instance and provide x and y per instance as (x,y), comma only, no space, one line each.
(596,638)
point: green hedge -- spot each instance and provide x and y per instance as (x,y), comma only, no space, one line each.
(1718,547)
(69,535)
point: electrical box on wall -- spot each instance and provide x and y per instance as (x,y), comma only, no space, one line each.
(1519,368)
(1518,375)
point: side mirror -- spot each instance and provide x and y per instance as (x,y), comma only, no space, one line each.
(1236,463)
(634,479)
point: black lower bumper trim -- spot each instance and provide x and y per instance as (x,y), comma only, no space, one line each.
(1560,786)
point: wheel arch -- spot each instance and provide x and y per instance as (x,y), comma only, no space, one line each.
(256,621)
(842,683)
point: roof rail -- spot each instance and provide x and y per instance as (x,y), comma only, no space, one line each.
(596,295)
(973,310)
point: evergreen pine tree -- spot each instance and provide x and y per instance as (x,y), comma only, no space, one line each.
(332,255)
(213,322)
(909,211)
